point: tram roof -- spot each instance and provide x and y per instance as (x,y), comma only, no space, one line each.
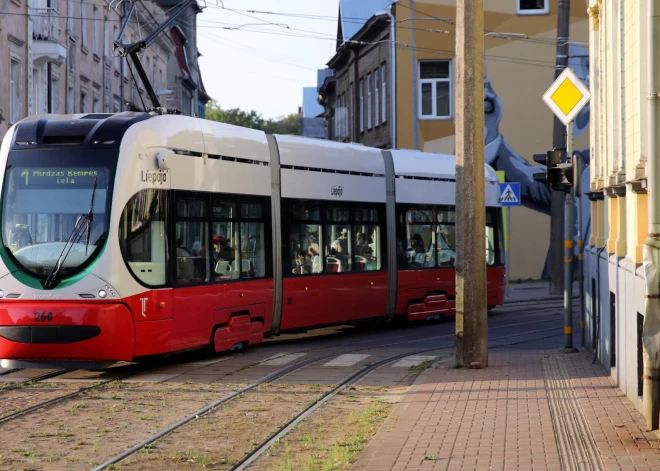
(413,163)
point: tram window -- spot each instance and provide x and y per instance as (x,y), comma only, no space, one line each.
(420,232)
(337,214)
(494,242)
(300,212)
(251,211)
(191,208)
(446,237)
(367,248)
(142,236)
(338,248)
(224,209)
(224,258)
(253,257)
(192,252)
(304,251)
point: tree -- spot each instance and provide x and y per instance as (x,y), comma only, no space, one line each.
(289,124)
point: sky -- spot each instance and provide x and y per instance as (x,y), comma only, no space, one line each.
(262,66)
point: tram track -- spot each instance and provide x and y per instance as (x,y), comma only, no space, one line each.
(348,380)
(353,378)
(337,349)
(19,384)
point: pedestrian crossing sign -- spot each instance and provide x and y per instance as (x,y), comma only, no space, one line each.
(510,194)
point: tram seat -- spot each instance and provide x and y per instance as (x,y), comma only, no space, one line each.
(333,265)
(360,263)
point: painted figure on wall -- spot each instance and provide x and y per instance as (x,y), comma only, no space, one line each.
(501,156)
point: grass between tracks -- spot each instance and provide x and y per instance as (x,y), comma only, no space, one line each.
(333,438)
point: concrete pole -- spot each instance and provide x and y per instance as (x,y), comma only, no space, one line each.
(559,142)
(471,311)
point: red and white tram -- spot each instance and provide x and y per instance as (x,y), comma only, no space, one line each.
(130,235)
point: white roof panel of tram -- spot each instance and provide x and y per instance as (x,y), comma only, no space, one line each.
(234,141)
(413,163)
(320,153)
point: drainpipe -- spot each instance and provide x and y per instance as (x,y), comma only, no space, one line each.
(392,70)
(414,77)
(651,330)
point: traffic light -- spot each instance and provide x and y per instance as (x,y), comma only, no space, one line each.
(554,174)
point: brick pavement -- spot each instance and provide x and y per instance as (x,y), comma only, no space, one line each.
(532,408)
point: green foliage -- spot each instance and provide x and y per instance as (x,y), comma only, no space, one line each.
(251,119)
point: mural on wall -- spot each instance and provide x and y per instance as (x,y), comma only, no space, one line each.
(501,156)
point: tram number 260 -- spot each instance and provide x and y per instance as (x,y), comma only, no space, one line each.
(43,316)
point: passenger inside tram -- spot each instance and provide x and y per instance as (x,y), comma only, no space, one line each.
(315,258)
(361,243)
(301,267)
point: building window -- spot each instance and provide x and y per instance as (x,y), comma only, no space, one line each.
(351,108)
(376,99)
(83,25)
(107,46)
(383,74)
(435,89)
(70,101)
(532,7)
(55,96)
(83,101)
(361,105)
(70,23)
(14,91)
(36,92)
(117,58)
(95,27)
(368,101)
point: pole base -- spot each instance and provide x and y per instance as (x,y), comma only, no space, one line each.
(568,350)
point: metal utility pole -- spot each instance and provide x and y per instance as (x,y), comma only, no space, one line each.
(568,255)
(559,142)
(471,311)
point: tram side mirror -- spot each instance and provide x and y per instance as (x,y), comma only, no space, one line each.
(161,159)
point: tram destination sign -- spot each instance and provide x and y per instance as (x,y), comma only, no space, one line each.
(60,176)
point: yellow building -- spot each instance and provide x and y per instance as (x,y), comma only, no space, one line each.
(624,123)
(520,49)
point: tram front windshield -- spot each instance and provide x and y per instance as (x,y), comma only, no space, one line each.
(46,208)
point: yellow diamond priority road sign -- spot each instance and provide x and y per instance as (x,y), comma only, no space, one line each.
(567,96)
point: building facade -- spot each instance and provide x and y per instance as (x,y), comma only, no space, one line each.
(187,92)
(624,166)
(60,58)
(392,85)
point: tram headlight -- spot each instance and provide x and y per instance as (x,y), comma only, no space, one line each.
(2,293)
(102,293)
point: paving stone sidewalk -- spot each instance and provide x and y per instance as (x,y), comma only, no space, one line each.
(532,409)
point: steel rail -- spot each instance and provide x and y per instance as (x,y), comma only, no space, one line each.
(283,371)
(252,456)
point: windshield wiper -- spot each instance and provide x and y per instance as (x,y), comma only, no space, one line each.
(73,238)
(75,235)
(90,216)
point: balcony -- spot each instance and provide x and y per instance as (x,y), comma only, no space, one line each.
(45,36)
